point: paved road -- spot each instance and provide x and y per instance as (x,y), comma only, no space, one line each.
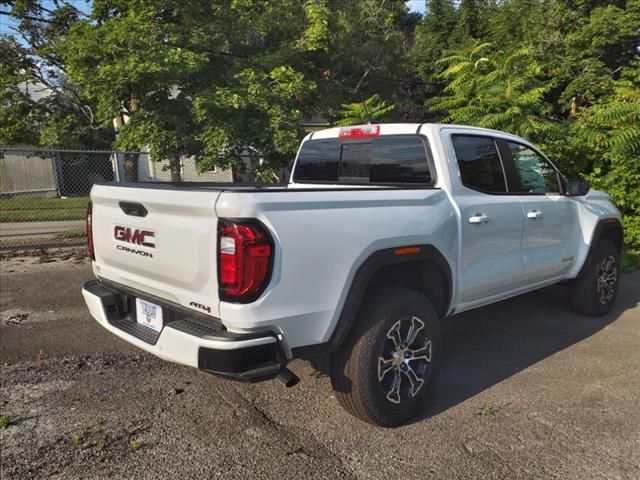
(528,390)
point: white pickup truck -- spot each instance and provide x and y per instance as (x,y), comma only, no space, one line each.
(382,233)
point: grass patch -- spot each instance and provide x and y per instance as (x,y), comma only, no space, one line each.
(5,421)
(76,439)
(72,233)
(102,443)
(491,410)
(137,444)
(488,411)
(630,260)
(35,209)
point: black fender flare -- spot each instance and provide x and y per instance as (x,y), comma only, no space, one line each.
(360,283)
(608,228)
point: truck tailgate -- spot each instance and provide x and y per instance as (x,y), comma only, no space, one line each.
(158,242)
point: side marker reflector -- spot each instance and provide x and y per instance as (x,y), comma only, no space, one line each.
(406,251)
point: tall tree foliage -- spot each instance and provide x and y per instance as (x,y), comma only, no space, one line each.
(367,53)
(195,78)
(212,79)
(19,116)
(494,90)
(432,39)
(370,110)
(59,114)
(612,127)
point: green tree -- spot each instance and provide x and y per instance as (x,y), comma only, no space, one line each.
(20,118)
(255,116)
(432,38)
(470,22)
(60,113)
(197,78)
(494,90)
(369,110)
(596,54)
(367,54)
(170,73)
(213,79)
(612,128)
(134,62)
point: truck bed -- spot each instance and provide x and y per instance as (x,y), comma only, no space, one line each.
(316,231)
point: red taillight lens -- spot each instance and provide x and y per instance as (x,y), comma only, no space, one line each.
(245,253)
(90,248)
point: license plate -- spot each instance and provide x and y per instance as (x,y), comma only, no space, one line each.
(149,314)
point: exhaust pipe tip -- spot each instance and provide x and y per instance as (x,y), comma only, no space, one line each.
(287,377)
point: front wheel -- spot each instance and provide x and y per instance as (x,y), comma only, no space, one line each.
(383,371)
(595,291)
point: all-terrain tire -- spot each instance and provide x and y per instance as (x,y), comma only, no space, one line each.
(356,367)
(586,292)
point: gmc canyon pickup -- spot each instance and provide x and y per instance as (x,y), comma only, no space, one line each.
(382,233)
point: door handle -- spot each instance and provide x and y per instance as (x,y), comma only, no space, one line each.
(534,214)
(479,218)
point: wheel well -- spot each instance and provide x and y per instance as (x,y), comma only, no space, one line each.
(423,276)
(609,229)
(614,235)
(426,272)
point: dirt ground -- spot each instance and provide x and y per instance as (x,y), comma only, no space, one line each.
(528,390)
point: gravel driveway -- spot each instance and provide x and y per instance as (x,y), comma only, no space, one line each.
(528,390)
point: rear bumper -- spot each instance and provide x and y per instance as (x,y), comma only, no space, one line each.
(186,338)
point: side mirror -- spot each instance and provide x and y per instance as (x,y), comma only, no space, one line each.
(577,187)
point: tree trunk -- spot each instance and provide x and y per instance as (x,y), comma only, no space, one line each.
(131,167)
(174,167)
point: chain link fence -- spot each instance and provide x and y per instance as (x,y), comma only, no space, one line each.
(44,193)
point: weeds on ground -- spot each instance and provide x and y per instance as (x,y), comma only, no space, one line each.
(91,439)
(76,439)
(40,359)
(96,438)
(491,410)
(137,443)
(5,421)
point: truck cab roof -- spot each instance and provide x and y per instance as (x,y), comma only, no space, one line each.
(407,129)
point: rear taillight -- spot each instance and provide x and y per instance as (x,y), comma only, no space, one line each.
(245,254)
(90,248)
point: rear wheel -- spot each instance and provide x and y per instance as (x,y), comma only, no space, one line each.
(595,291)
(383,371)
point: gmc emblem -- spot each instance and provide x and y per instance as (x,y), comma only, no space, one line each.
(135,236)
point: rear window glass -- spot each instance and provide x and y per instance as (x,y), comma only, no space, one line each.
(387,159)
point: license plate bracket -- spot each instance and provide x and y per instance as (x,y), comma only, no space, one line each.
(149,314)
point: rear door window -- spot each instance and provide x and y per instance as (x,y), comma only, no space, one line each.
(394,159)
(479,163)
